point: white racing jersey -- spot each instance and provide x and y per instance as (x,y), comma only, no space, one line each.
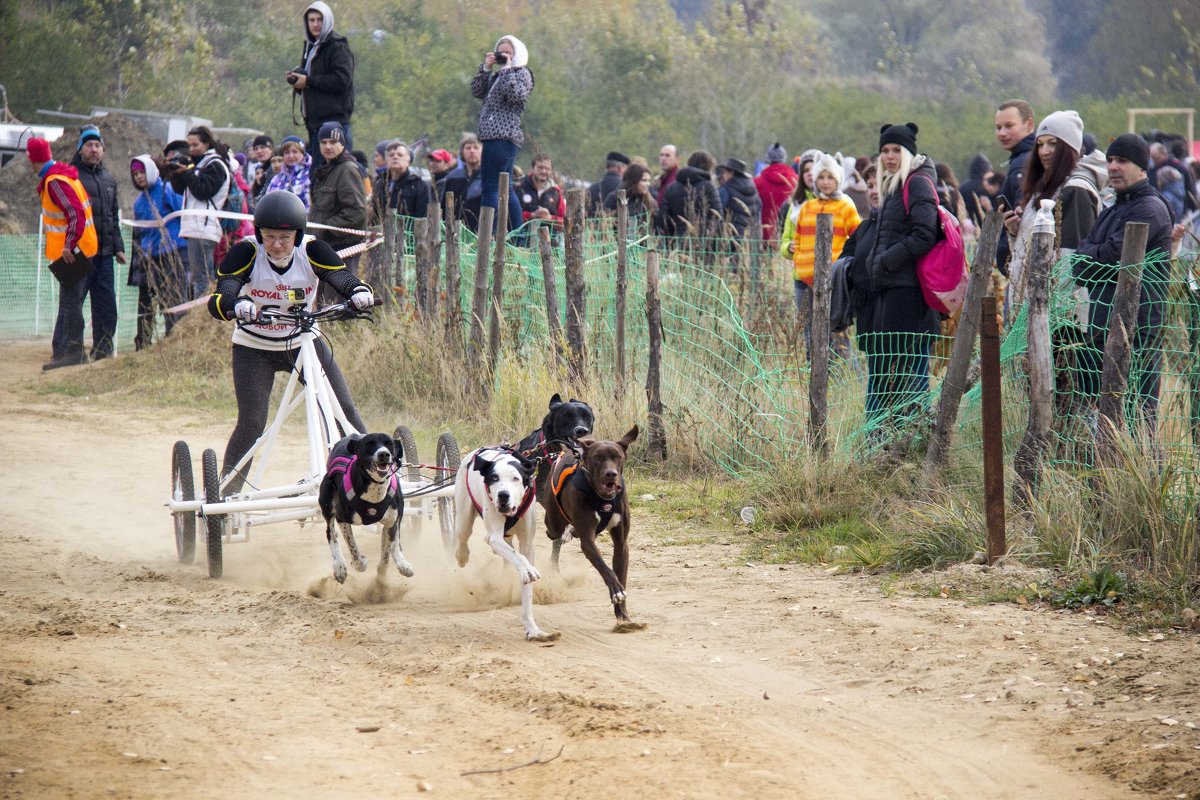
(269,289)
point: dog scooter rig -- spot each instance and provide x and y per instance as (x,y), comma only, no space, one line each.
(229,518)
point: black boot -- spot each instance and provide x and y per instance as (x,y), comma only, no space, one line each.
(70,358)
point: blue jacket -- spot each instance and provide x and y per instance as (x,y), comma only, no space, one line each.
(153,204)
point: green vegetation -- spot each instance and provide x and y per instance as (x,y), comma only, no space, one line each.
(630,74)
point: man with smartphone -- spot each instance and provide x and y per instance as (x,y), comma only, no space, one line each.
(70,235)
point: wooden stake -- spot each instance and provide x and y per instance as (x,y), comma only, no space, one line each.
(956,380)
(657,435)
(494,334)
(553,320)
(576,291)
(1039,364)
(993,430)
(622,266)
(818,380)
(1118,344)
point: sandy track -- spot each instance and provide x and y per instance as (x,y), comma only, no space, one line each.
(126,674)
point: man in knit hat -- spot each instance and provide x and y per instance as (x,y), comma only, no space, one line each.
(337,196)
(101,187)
(614,167)
(775,185)
(69,231)
(1098,263)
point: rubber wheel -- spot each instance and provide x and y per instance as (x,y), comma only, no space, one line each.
(413,473)
(448,458)
(215,522)
(409,443)
(183,487)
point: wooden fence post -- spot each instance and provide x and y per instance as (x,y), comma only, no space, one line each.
(453,276)
(818,377)
(434,232)
(494,336)
(656,431)
(1118,344)
(1039,363)
(576,296)
(553,321)
(622,267)
(422,237)
(993,430)
(957,380)
(479,298)
(395,261)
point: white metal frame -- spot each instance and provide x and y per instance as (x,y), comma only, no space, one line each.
(297,501)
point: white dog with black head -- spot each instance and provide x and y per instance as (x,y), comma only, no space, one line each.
(496,485)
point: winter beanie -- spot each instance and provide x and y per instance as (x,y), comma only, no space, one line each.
(38,151)
(1066,126)
(904,135)
(88,134)
(1131,147)
(332,130)
(776,154)
(832,164)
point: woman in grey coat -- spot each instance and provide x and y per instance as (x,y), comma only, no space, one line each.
(504,93)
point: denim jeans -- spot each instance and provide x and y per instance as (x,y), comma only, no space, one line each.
(201,268)
(499,155)
(68,324)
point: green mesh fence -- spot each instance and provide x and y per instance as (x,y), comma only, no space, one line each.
(735,363)
(29,298)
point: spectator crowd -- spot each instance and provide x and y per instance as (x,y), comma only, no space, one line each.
(883,204)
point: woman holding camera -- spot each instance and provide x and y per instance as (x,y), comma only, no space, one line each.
(204,182)
(504,93)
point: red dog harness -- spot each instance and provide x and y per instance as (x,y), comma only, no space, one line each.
(367,512)
(526,500)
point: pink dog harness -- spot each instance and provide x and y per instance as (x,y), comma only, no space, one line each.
(367,512)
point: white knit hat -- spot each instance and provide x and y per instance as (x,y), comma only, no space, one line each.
(1066,126)
(824,162)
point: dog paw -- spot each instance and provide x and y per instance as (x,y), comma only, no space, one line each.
(405,568)
(339,573)
(360,564)
(567,535)
(618,598)
(462,554)
(530,575)
(542,636)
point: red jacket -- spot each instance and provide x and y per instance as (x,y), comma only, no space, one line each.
(775,185)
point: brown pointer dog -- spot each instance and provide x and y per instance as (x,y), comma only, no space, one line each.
(589,498)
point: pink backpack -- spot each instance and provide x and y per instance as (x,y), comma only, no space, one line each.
(942,272)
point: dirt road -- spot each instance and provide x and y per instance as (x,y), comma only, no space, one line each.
(125,674)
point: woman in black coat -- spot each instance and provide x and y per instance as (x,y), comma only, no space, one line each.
(894,326)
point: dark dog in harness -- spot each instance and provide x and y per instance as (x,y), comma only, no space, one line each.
(589,498)
(566,423)
(360,487)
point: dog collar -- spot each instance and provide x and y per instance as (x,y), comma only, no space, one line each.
(526,501)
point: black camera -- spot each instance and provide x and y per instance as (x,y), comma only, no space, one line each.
(291,78)
(501,58)
(177,162)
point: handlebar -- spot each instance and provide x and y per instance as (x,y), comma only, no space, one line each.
(305,319)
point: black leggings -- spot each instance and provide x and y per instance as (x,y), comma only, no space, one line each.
(253,375)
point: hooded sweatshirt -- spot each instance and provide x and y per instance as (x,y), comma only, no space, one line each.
(775,185)
(1077,204)
(504,94)
(329,63)
(154,203)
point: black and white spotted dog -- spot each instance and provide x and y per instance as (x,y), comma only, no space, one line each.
(496,485)
(361,488)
